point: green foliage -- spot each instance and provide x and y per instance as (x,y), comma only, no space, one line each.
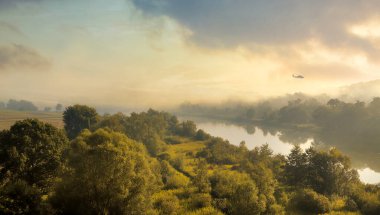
(187,129)
(311,202)
(276,209)
(367,198)
(205,211)
(78,117)
(109,174)
(106,172)
(351,205)
(18,197)
(172,178)
(330,172)
(219,151)
(202,135)
(31,151)
(166,203)
(296,167)
(201,181)
(236,193)
(200,200)
(114,122)
(326,172)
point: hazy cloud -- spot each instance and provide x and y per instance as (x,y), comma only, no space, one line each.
(21,57)
(231,23)
(7,27)
(9,3)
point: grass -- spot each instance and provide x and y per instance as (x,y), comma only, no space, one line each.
(186,151)
(9,117)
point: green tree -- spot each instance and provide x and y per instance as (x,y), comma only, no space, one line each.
(166,203)
(311,202)
(18,197)
(201,181)
(114,122)
(188,129)
(296,167)
(110,174)
(31,151)
(236,193)
(330,172)
(78,117)
(30,161)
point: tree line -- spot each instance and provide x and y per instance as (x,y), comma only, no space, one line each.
(24,105)
(151,163)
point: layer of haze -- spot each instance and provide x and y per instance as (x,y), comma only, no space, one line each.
(155,53)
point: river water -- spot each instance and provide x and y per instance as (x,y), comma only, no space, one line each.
(282,143)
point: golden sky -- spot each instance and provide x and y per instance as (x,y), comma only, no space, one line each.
(141,53)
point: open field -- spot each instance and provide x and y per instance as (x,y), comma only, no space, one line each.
(9,117)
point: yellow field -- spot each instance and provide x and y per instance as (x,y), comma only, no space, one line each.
(9,117)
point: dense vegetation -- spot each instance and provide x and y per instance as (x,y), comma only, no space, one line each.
(150,163)
(345,125)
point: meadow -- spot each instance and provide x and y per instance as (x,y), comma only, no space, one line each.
(9,117)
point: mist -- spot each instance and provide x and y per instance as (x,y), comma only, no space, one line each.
(124,55)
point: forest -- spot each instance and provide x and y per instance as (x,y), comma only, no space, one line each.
(152,163)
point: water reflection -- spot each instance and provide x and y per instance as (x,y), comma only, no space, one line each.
(235,134)
(363,153)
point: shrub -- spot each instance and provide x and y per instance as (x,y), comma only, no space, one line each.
(166,203)
(201,200)
(309,201)
(351,205)
(205,211)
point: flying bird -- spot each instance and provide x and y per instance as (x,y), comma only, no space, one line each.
(298,76)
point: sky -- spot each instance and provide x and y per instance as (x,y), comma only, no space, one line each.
(143,53)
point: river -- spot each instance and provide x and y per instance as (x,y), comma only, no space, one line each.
(283,142)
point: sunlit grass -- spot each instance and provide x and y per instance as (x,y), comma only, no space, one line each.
(9,117)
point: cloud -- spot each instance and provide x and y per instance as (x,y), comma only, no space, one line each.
(19,57)
(11,3)
(7,27)
(231,23)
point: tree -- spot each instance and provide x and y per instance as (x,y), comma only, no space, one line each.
(30,160)
(296,167)
(78,117)
(236,193)
(58,107)
(330,172)
(166,203)
(20,198)
(200,180)
(188,128)
(21,105)
(31,151)
(114,122)
(110,174)
(311,202)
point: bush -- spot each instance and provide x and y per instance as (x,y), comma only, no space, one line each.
(276,209)
(351,205)
(164,156)
(309,201)
(178,163)
(206,211)
(200,200)
(202,135)
(173,140)
(166,203)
